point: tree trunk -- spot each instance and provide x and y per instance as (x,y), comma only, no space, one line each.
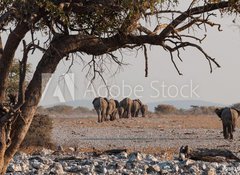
(33,93)
(205,154)
(8,53)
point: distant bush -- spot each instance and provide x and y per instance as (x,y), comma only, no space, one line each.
(236,105)
(39,133)
(61,109)
(194,110)
(165,109)
(202,110)
(83,110)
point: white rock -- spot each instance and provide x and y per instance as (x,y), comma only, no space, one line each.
(182,157)
(176,168)
(189,162)
(211,171)
(154,168)
(14,168)
(45,152)
(122,155)
(58,169)
(135,157)
(151,158)
(36,164)
(204,167)
(71,149)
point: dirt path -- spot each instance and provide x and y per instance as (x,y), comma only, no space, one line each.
(165,132)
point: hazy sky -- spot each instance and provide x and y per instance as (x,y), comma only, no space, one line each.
(222,86)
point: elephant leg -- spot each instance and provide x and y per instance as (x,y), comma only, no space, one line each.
(230,131)
(111,119)
(99,116)
(103,114)
(225,131)
(125,114)
(129,112)
(137,113)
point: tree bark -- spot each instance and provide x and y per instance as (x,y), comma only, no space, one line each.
(8,53)
(48,64)
(205,154)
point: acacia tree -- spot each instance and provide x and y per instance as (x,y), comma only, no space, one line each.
(97,28)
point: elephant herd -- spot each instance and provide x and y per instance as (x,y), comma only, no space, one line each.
(126,108)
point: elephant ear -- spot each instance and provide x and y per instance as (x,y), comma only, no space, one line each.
(238,111)
(218,111)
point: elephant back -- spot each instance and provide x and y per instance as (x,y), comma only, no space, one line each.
(139,102)
(126,102)
(99,103)
(226,115)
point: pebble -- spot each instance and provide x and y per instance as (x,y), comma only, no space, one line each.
(135,163)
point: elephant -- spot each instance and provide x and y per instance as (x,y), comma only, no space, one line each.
(136,106)
(120,111)
(100,104)
(112,109)
(144,110)
(229,118)
(126,104)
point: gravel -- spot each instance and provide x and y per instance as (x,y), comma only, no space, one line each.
(61,163)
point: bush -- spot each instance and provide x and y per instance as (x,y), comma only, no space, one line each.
(39,133)
(194,110)
(165,109)
(83,110)
(61,109)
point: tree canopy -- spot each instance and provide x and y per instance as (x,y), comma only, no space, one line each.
(97,28)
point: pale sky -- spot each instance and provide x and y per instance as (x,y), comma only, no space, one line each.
(222,86)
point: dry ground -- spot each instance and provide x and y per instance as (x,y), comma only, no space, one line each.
(151,134)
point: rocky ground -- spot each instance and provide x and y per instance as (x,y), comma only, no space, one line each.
(149,146)
(49,162)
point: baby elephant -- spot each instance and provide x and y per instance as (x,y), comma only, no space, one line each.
(229,118)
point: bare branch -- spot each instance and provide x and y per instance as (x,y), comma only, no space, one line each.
(146,60)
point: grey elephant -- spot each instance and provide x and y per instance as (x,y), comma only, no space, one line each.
(136,106)
(229,118)
(120,111)
(126,104)
(100,104)
(144,110)
(112,109)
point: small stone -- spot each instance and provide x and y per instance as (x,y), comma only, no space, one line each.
(58,169)
(122,155)
(135,157)
(204,167)
(176,168)
(151,158)
(45,152)
(194,170)
(154,168)
(215,165)
(14,168)
(71,149)
(189,162)
(182,157)
(211,171)
(36,164)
